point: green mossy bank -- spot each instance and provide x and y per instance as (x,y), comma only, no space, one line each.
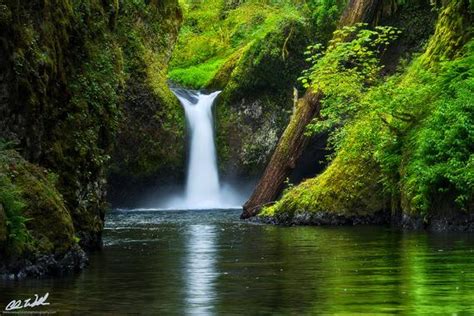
(37,234)
(407,152)
(72,77)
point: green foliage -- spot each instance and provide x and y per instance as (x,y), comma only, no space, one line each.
(196,76)
(13,205)
(213,31)
(442,159)
(345,71)
(418,131)
(324,15)
(409,139)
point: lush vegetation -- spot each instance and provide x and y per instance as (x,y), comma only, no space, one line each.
(345,72)
(32,212)
(84,97)
(14,233)
(215,30)
(406,142)
(238,47)
(72,76)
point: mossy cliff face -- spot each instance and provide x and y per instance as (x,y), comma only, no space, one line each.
(50,223)
(37,234)
(150,144)
(408,152)
(66,70)
(60,96)
(257,98)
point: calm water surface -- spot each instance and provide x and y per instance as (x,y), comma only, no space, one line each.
(209,262)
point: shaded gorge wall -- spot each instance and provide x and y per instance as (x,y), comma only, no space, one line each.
(73,74)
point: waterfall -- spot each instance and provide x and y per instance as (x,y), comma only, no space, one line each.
(203,189)
(202,180)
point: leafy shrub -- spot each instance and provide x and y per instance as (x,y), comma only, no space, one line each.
(408,138)
(13,205)
(344,72)
(441,149)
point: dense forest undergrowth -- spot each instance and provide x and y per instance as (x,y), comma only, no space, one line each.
(403,144)
(85,108)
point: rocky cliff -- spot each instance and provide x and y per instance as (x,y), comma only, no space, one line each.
(72,74)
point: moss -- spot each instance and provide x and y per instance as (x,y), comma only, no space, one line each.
(65,73)
(222,76)
(258,97)
(347,187)
(452,32)
(409,147)
(198,76)
(49,223)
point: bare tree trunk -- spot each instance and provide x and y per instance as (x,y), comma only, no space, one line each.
(360,11)
(293,141)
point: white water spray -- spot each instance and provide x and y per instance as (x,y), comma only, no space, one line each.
(202,182)
(203,190)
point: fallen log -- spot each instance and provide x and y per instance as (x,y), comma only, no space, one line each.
(293,141)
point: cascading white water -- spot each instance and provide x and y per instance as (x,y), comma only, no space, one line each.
(202,181)
(203,190)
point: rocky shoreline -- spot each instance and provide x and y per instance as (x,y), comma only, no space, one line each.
(323,219)
(38,266)
(459,222)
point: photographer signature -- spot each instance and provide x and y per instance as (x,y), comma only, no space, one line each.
(19,304)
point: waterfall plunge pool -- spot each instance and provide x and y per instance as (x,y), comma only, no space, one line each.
(210,262)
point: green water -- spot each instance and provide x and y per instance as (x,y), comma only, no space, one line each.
(209,262)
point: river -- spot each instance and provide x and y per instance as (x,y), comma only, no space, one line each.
(210,262)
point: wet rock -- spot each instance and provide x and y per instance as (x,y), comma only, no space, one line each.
(45,265)
(451,221)
(325,219)
(408,222)
(459,221)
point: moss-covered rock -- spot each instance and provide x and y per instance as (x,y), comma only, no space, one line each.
(48,221)
(257,96)
(66,70)
(150,143)
(348,187)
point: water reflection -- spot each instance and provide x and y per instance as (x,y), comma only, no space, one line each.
(209,262)
(200,269)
